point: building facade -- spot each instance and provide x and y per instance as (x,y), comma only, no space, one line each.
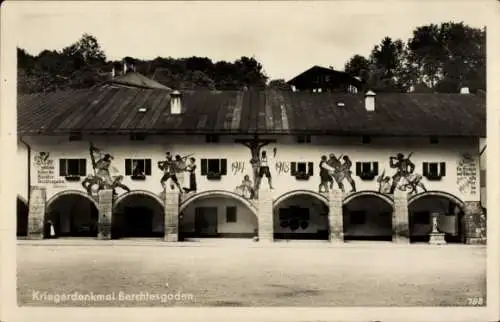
(114,162)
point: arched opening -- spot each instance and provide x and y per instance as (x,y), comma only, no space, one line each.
(22,217)
(217,214)
(368,216)
(301,215)
(138,214)
(450,219)
(73,214)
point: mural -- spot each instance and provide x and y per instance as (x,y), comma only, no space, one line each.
(102,178)
(282,167)
(173,172)
(246,188)
(405,178)
(333,170)
(46,170)
(467,174)
(264,171)
(237,167)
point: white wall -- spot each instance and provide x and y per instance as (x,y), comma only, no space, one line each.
(448,150)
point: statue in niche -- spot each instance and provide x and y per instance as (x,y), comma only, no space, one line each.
(339,171)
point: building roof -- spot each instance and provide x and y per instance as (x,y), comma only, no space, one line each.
(136,80)
(116,110)
(306,78)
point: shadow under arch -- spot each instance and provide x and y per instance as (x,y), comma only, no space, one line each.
(214,194)
(369,193)
(68,193)
(300,192)
(131,193)
(436,193)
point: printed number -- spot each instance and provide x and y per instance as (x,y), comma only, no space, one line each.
(475,301)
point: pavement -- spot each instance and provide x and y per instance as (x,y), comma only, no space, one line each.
(240,272)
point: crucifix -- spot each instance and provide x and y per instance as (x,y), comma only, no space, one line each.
(255,144)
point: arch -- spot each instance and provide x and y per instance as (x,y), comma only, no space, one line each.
(292,193)
(71,192)
(436,193)
(140,193)
(217,193)
(388,199)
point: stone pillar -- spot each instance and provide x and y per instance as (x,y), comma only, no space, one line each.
(36,214)
(474,223)
(265,216)
(104,223)
(335,216)
(400,220)
(171,216)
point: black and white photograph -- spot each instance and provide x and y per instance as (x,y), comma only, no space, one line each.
(250,154)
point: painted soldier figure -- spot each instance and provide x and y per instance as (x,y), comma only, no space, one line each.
(404,167)
(342,171)
(169,169)
(103,173)
(325,174)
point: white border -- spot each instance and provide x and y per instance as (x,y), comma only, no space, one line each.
(10,312)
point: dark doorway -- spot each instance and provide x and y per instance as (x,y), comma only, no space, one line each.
(367,218)
(22,218)
(139,222)
(205,221)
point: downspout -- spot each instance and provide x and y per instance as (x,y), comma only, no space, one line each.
(29,167)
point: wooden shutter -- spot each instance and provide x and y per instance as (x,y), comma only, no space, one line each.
(223,167)
(442,169)
(128,167)
(82,167)
(359,166)
(147,167)
(62,168)
(310,168)
(375,168)
(293,168)
(204,167)
(425,169)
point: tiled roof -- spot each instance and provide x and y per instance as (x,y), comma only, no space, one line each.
(116,110)
(133,79)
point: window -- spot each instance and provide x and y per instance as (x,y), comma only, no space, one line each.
(137,137)
(366,139)
(75,136)
(138,169)
(302,170)
(213,168)
(231,214)
(212,138)
(303,139)
(72,168)
(434,170)
(357,217)
(367,170)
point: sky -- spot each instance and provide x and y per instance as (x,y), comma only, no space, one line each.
(287,37)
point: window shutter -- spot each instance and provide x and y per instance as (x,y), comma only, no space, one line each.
(223,167)
(442,169)
(82,167)
(375,168)
(204,167)
(358,168)
(147,167)
(293,168)
(128,167)
(425,169)
(62,167)
(310,166)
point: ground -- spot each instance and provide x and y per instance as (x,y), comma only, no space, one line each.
(243,273)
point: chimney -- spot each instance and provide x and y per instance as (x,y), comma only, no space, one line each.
(175,103)
(464,90)
(370,101)
(124,68)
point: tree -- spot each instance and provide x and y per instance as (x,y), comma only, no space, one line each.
(358,66)
(279,84)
